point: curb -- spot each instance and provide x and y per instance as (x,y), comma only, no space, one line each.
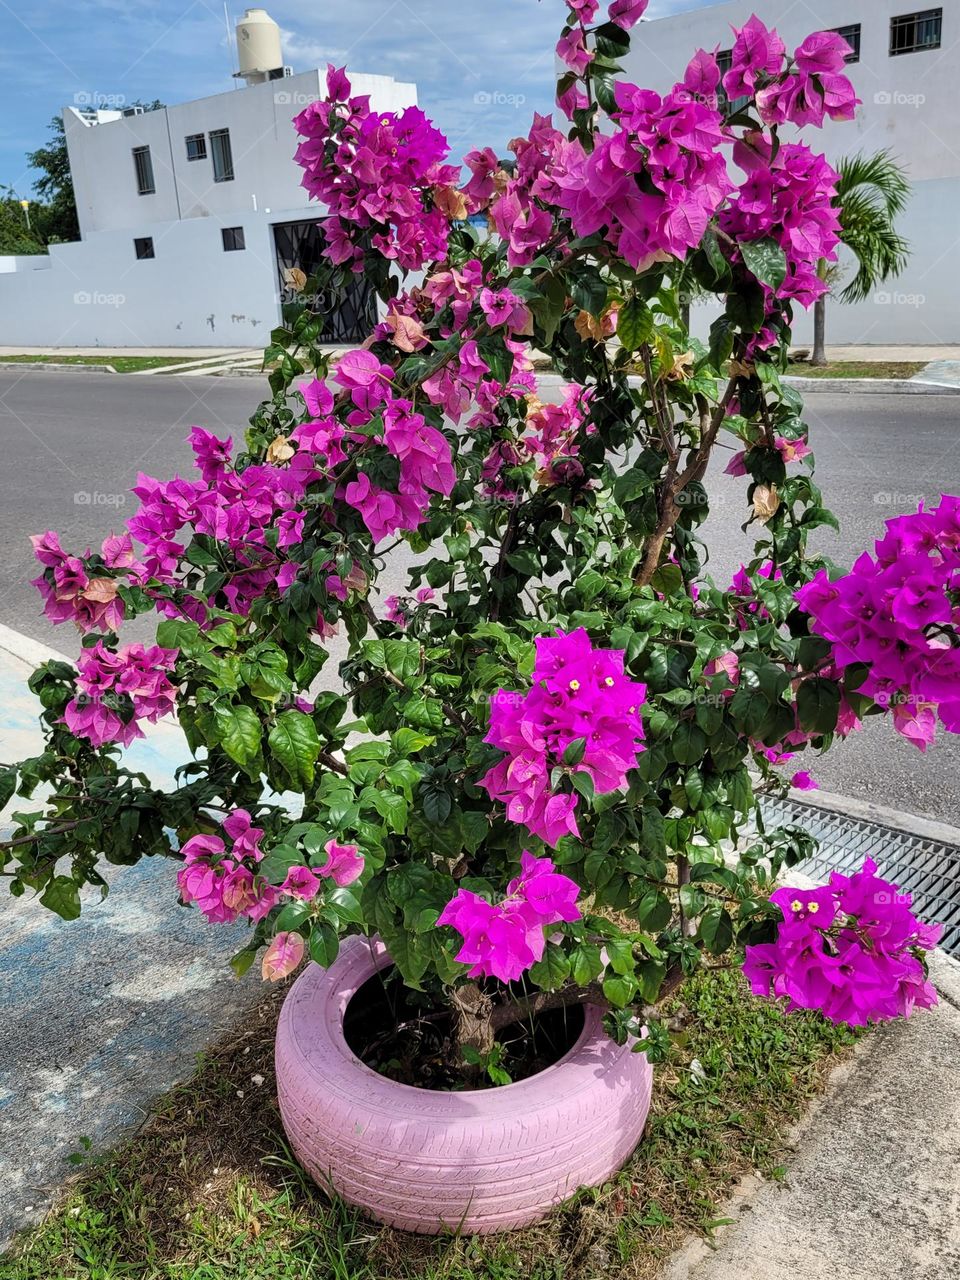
(27,649)
(872,386)
(866,811)
(22,366)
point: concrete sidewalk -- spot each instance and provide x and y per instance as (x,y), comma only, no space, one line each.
(103,1013)
(872,1188)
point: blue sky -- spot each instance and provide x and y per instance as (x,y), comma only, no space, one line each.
(482,68)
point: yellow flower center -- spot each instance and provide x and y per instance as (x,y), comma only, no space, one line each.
(813,908)
(609,682)
(796,905)
(574,685)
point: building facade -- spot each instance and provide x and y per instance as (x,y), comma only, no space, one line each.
(191,216)
(906,69)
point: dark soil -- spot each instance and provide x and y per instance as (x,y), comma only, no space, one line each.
(403,1035)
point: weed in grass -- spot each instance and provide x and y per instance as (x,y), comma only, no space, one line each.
(208,1189)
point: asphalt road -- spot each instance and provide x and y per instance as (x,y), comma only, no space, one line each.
(71,446)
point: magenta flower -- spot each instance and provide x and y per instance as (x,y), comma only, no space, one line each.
(344,863)
(246,837)
(504,940)
(579,693)
(573,52)
(301,883)
(502,307)
(117,690)
(895,612)
(801,781)
(852,949)
(627,13)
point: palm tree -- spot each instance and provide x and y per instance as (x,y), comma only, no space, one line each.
(872,193)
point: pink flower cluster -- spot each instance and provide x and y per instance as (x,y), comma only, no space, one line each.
(376,171)
(812,90)
(117,690)
(505,939)
(519,214)
(426,463)
(579,693)
(673,144)
(76,589)
(788,196)
(898,612)
(848,949)
(551,440)
(226,886)
(235,508)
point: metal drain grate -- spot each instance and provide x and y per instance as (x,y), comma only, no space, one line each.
(927,869)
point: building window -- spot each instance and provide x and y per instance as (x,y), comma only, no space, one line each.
(232,238)
(729,106)
(851,34)
(143,247)
(196,146)
(144,170)
(915,31)
(222,155)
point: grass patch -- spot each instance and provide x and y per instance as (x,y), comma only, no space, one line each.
(207,1190)
(857,369)
(122,364)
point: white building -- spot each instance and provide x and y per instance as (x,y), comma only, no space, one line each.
(190,216)
(906,68)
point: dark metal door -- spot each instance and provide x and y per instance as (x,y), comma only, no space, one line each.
(348,314)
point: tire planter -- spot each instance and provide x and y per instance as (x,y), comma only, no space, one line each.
(428,1161)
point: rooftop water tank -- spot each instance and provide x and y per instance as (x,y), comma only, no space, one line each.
(258,47)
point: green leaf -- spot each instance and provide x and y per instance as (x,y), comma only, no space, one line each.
(62,895)
(586,964)
(324,943)
(435,804)
(693,788)
(293,741)
(393,808)
(239,730)
(425,713)
(766,261)
(620,951)
(552,971)
(241,962)
(588,290)
(688,743)
(818,705)
(278,862)
(8,785)
(634,324)
(619,991)
(716,929)
(651,975)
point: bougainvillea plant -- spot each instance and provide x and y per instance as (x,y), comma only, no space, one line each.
(532,765)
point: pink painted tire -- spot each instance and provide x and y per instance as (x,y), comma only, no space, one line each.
(421,1160)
